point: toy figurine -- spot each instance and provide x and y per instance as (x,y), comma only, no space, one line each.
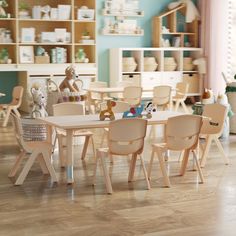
(108,113)
(134,112)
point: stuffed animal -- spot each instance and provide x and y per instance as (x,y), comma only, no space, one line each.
(134,112)
(39,103)
(68,84)
(149,109)
(108,113)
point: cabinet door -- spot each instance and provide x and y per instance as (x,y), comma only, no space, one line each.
(150,80)
(171,78)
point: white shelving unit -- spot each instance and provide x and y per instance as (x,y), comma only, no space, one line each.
(160,76)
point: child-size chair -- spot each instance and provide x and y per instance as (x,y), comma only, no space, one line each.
(212,129)
(40,150)
(66,109)
(132,95)
(181,134)
(181,95)
(17,95)
(126,136)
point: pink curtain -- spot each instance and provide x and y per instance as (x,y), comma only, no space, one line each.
(214,39)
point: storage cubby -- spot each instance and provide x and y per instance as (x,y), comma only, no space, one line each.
(152,61)
(170,29)
(129,59)
(160,76)
(85,33)
(172,60)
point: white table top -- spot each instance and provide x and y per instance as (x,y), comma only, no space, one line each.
(113,90)
(92,121)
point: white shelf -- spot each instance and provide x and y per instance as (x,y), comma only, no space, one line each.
(117,34)
(106,12)
(44,20)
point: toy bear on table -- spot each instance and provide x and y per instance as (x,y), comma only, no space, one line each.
(108,113)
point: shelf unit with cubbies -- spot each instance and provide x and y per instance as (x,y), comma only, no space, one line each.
(166,27)
(159,74)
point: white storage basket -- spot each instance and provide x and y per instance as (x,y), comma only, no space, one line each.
(33,129)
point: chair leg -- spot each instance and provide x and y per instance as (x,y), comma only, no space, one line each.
(198,166)
(17,163)
(163,169)
(219,145)
(206,151)
(26,168)
(184,162)
(150,164)
(184,106)
(132,168)
(100,156)
(177,105)
(16,112)
(85,147)
(43,165)
(104,136)
(93,147)
(48,163)
(6,118)
(145,172)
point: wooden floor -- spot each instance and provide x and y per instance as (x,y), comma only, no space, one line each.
(187,208)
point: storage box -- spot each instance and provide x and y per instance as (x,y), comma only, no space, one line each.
(193,81)
(41,59)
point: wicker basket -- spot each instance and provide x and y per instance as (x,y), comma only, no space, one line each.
(150,67)
(129,67)
(170,67)
(33,130)
(188,67)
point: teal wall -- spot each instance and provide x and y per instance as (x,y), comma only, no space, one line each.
(7,81)
(150,8)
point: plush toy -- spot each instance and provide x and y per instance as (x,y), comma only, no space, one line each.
(39,103)
(3,3)
(149,109)
(108,113)
(68,84)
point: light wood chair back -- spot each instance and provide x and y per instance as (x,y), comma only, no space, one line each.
(68,108)
(126,136)
(161,95)
(132,95)
(97,84)
(181,90)
(182,132)
(216,114)
(17,95)
(79,84)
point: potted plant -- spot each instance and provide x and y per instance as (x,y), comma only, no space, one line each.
(4,55)
(3,4)
(23,10)
(85,35)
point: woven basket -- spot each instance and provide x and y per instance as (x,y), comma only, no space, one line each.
(170,67)
(33,130)
(129,67)
(150,67)
(188,67)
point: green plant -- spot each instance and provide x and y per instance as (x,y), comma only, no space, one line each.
(4,55)
(85,33)
(23,6)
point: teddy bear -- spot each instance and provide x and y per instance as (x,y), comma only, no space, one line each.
(3,3)
(38,103)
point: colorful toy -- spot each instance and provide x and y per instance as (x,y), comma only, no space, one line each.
(143,111)
(108,113)
(134,112)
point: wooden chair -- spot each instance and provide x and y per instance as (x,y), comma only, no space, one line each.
(40,150)
(162,99)
(212,129)
(120,107)
(121,84)
(181,95)
(17,95)
(126,136)
(94,99)
(132,95)
(65,109)
(181,134)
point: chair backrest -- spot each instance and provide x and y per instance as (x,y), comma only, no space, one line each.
(68,108)
(133,95)
(120,106)
(17,95)
(161,95)
(182,90)
(216,114)
(97,84)
(126,136)
(182,132)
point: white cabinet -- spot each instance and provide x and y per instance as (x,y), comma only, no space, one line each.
(170,69)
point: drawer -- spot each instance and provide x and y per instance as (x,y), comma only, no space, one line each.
(150,80)
(172,78)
